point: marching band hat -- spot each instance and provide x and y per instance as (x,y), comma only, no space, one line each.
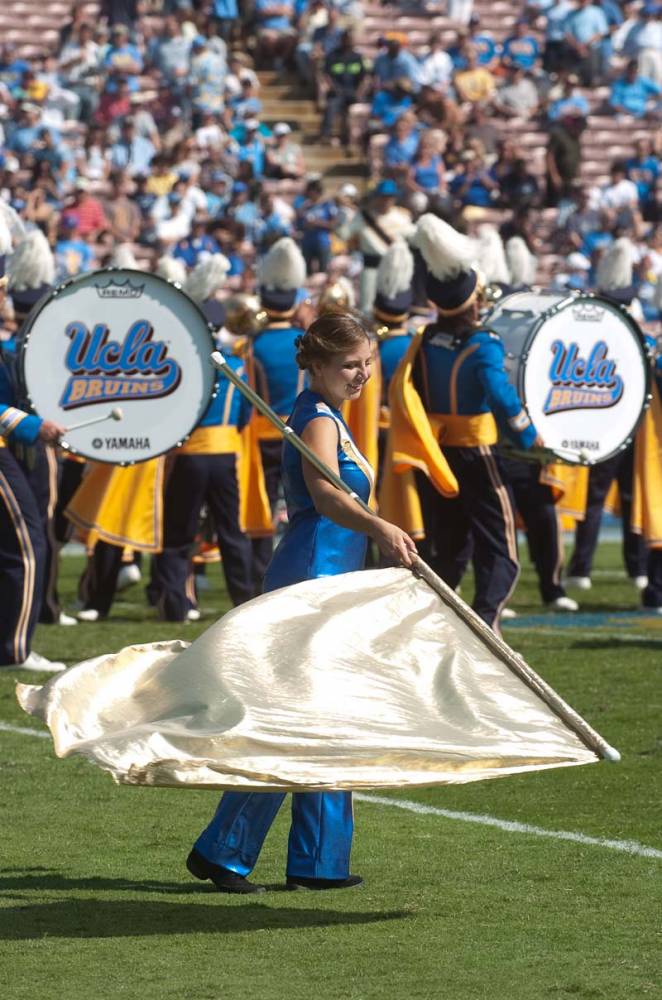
(387,189)
(31,272)
(394,284)
(281,274)
(452,282)
(214,313)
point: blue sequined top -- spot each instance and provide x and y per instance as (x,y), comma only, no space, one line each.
(313,545)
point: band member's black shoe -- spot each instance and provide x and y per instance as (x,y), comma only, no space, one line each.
(224,879)
(299,882)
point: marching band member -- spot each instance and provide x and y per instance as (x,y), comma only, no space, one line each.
(31,274)
(272,367)
(326,535)
(206,470)
(534,497)
(22,537)
(373,229)
(614,280)
(457,371)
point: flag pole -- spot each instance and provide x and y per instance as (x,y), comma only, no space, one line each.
(494,642)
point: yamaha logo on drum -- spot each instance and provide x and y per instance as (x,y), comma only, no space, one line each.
(582,383)
(104,370)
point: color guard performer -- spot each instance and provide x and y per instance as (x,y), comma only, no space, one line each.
(22,537)
(457,371)
(272,368)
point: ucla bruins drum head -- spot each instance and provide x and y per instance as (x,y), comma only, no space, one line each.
(126,347)
(580,367)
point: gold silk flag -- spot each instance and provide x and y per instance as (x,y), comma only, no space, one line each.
(364,680)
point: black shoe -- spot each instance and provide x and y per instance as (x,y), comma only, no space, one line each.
(224,879)
(299,882)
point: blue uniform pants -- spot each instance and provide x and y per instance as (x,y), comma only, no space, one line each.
(320,838)
(22,559)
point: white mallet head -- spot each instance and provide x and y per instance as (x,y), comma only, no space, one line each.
(116,414)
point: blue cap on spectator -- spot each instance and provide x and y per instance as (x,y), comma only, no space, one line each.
(220,175)
(387,189)
(238,187)
(199,42)
(652,9)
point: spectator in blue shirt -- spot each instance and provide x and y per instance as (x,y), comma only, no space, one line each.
(275,31)
(486,49)
(474,185)
(122,58)
(396,64)
(585,28)
(401,148)
(251,149)
(556,54)
(644,169)
(197,243)
(570,103)
(246,104)
(634,95)
(521,49)
(317,218)
(131,152)
(225,13)
(388,105)
(72,254)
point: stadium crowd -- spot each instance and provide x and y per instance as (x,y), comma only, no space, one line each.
(146,128)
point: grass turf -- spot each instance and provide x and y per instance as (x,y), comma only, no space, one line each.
(96,903)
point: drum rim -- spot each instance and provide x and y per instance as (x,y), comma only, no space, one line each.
(26,330)
(564,302)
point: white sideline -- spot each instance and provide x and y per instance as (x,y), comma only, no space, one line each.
(510,826)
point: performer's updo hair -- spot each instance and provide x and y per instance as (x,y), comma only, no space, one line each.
(332,333)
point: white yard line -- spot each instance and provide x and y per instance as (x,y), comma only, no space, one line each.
(508,826)
(6,727)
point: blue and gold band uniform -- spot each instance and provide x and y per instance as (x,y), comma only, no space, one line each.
(320,837)
(278,381)
(205,471)
(22,537)
(464,387)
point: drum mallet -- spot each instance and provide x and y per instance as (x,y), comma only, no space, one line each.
(115,414)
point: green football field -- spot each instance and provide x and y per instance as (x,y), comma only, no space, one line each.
(476,895)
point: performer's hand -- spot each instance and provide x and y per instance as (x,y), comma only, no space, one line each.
(393,542)
(50,432)
(538,442)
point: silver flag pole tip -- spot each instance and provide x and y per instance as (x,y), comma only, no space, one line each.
(610,753)
(217,359)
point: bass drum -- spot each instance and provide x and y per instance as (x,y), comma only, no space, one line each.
(124,346)
(580,366)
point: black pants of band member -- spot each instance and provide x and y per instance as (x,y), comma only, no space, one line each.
(22,560)
(482,513)
(534,502)
(619,468)
(271,452)
(194,481)
(652,595)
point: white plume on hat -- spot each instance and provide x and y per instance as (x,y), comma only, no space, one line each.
(522,264)
(491,255)
(172,269)
(283,267)
(446,252)
(615,266)
(32,264)
(396,270)
(123,257)
(13,222)
(6,241)
(207,277)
